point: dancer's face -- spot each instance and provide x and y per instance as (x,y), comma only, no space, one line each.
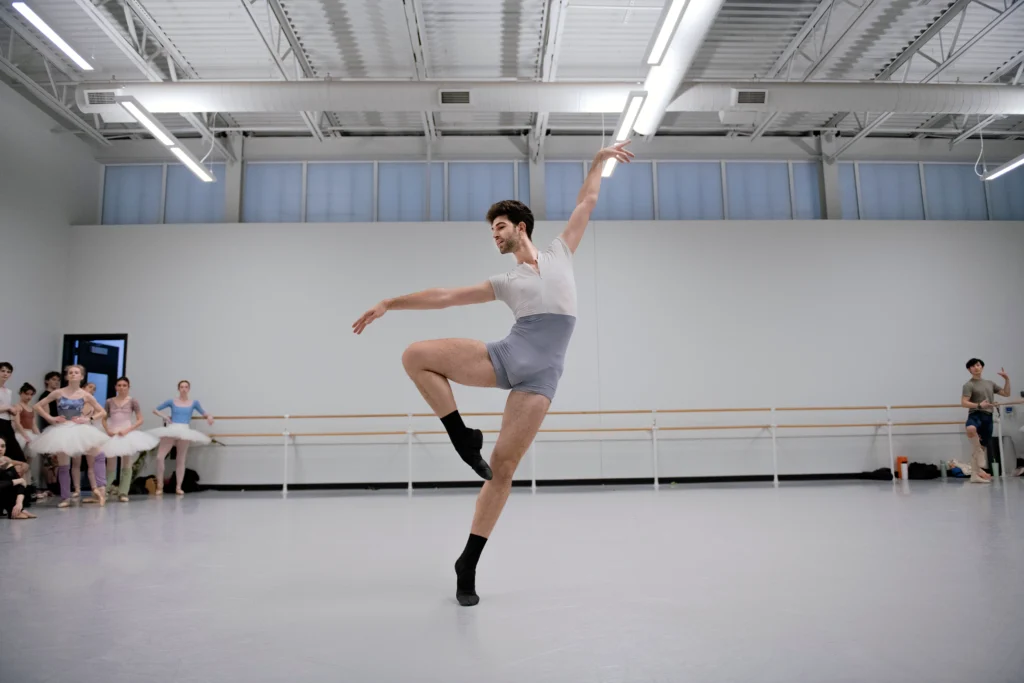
(26,396)
(74,374)
(121,387)
(91,388)
(976,370)
(506,236)
(53,384)
(3,448)
(183,388)
(5,374)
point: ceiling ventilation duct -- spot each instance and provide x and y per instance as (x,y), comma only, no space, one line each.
(560,97)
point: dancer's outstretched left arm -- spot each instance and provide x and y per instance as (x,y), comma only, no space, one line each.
(587,198)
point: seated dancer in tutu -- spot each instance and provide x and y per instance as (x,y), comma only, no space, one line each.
(14,486)
(126,439)
(177,434)
(71,433)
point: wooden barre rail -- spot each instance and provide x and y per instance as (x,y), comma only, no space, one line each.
(648,432)
(681,428)
(670,411)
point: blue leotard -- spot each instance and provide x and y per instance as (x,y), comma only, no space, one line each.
(179,414)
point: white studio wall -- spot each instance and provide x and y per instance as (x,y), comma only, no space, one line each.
(672,314)
(49,182)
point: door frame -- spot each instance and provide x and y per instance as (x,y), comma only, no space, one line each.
(67,347)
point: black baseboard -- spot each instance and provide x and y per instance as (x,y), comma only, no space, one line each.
(519,483)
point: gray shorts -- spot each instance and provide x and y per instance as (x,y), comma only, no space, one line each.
(531,358)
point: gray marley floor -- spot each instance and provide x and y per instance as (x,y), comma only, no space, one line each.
(809,582)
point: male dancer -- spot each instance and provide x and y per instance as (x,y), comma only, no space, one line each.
(978,396)
(541,291)
(9,411)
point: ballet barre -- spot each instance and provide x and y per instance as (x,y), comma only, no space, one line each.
(773,427)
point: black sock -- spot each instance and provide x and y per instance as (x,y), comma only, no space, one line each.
(465,571)
(468,443)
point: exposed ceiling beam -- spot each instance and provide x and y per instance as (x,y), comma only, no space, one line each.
(414,27)
(946,63)
(974,129)
(711,132)
(957,8)
(1013,66)
(570,148)
(787,54)
(554,26)
(101,16)
(311,119)
(27,34)
(809,30)
(50,101)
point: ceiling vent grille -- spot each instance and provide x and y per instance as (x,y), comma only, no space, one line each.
(449,97)
(750,97)
(95,97)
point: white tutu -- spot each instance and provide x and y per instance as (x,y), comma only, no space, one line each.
(23,443)
(69,438)
(131,443)
(180,431)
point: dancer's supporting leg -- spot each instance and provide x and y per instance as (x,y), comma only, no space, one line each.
(166,444)
(124,483)
(111,475)
(524,413)
(64,479)
(96,463)
(431,365)
(179,469)
(978,475)
(76,476)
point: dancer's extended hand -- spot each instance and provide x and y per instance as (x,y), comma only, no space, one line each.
(368,317)
(617,151)
(1002,373)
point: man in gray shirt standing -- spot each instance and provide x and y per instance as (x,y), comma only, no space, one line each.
(978,396)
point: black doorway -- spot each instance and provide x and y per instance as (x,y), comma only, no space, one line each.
(104,357)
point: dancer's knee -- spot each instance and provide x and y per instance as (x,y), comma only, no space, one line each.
(503,470)
(415,356)
(972,431)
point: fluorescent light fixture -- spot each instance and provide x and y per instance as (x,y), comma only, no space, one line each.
(132,106)
(667,25)
(147,120)
(634,102)
(192,164)
(45,29)
(1005,168)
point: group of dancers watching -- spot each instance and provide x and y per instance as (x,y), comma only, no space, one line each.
(68,422)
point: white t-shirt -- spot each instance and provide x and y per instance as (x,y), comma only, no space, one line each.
(529,292)
(5,400)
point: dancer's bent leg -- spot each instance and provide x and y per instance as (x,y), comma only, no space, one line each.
(523,416)
(431,365)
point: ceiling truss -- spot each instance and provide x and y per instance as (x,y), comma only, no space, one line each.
(827,44)
(277,36)
(950,59)
(147,45)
